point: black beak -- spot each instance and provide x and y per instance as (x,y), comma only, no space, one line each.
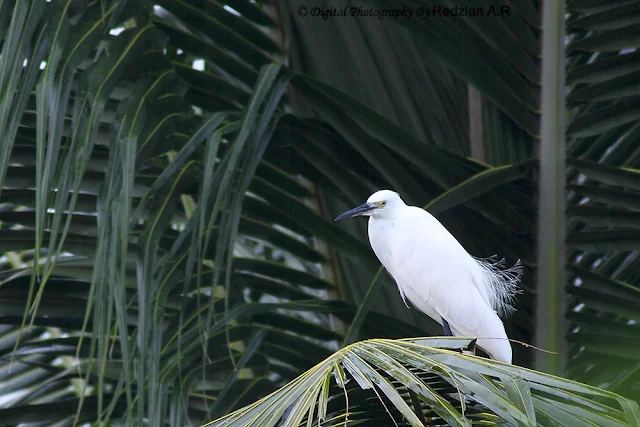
(360,210)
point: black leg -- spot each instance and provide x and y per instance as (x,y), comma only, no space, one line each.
(447,328)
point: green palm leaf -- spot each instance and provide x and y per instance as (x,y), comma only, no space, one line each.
(452,388)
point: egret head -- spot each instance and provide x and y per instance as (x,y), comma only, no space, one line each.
(380,204)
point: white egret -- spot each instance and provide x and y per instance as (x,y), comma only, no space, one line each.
(432,270)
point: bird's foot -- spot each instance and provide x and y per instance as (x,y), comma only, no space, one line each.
(447,328)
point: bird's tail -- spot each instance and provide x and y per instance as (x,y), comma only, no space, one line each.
(498,349)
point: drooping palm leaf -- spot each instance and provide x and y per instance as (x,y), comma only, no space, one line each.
(419,383)
(603,171)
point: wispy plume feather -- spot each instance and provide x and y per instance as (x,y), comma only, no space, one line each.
(501,283)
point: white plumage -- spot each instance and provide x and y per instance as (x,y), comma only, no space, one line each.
(437,275)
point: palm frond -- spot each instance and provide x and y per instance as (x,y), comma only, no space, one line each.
(426,381)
